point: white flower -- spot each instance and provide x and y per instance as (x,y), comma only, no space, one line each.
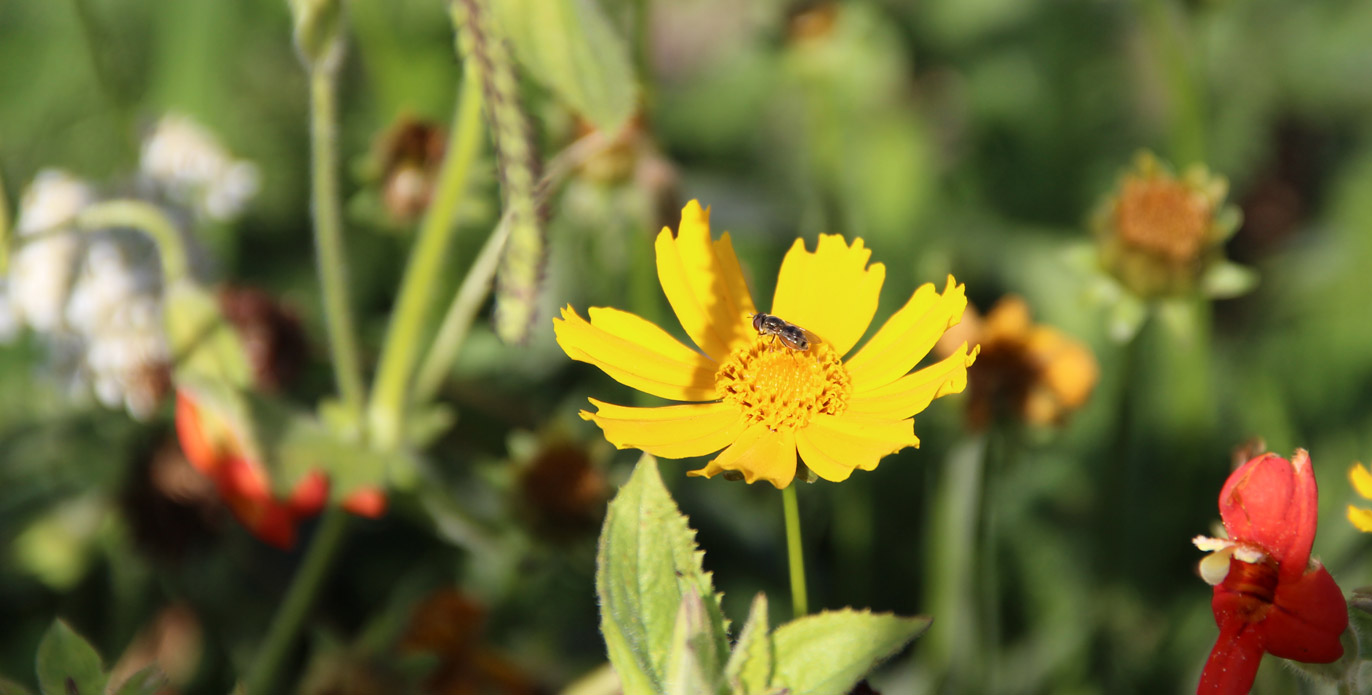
(93,297)
(42,269)
(187,163)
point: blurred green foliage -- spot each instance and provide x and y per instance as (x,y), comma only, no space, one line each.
(954,136)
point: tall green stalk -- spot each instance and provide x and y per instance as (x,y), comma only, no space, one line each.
(386,412)
(1171,42)
(318,36)
(328,236)
(290,615)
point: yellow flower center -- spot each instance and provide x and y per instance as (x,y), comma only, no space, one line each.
(783,388)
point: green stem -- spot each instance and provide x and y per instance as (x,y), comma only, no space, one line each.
(951,652)
(799,601)
(477,283)
(108,82)
(386,411)
(328,239)
(150,220)
(6,228)
(291,614)
(1170,42)
(458,321)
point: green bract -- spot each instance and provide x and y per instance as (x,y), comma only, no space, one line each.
(666,634)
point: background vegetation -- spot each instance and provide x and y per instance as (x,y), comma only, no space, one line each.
(954,136)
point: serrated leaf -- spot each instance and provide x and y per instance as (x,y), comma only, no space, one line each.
(571,47)
(647,560)
(692,668)
(146,681)
(830,652)
(750,667)
(68,664)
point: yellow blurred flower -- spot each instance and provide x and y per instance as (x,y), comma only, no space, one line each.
(1161,235)
(1362,482)
(757,397)
(1029,371)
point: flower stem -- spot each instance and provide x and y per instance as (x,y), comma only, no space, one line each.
(6,228)
(328,238)
(291,613)
(799,601)
(110,80)
(475,285)
(1171,39)
(386,411)
(150,220)
(456,322)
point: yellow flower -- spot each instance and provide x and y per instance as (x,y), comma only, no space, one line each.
(759,399)
(1362,482)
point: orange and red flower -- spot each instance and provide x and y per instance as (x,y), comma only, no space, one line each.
(214,447)
(1269,596)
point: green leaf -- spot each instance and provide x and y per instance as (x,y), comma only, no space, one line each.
(750,667)
(203,343)
(1126,318)
(831,651)
(646,563)
(1226,280)
(693,666)
(147,681)
(571,47)
(67,664)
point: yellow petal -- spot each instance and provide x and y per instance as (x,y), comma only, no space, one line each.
(908,336)
(913,392)
(704,284)
(833,446)
(759,454)
(1361,518)
(1361,479)
(831,292)
(636,353)
(674,431)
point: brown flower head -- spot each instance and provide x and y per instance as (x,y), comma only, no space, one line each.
(1026,371)
(1158,234)
(271,334)
(562,487)
(409,155)
(449,625)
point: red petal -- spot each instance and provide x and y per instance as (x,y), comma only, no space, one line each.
(310,495)
(1234,661)
(1306,620)
(191,432)
(1271,503)
(275,525)
(368,501)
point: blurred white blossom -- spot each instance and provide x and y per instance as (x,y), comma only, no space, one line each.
(42,269)
(94,298)
(187,164)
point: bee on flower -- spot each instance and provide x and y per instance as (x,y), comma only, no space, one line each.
(778,400)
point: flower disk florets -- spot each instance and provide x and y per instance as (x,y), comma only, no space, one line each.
(784,388)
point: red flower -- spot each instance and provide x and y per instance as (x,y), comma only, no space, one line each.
(215,449)
(1269,596)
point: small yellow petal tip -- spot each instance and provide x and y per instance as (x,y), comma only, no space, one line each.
(1360,518)
(1361,478)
